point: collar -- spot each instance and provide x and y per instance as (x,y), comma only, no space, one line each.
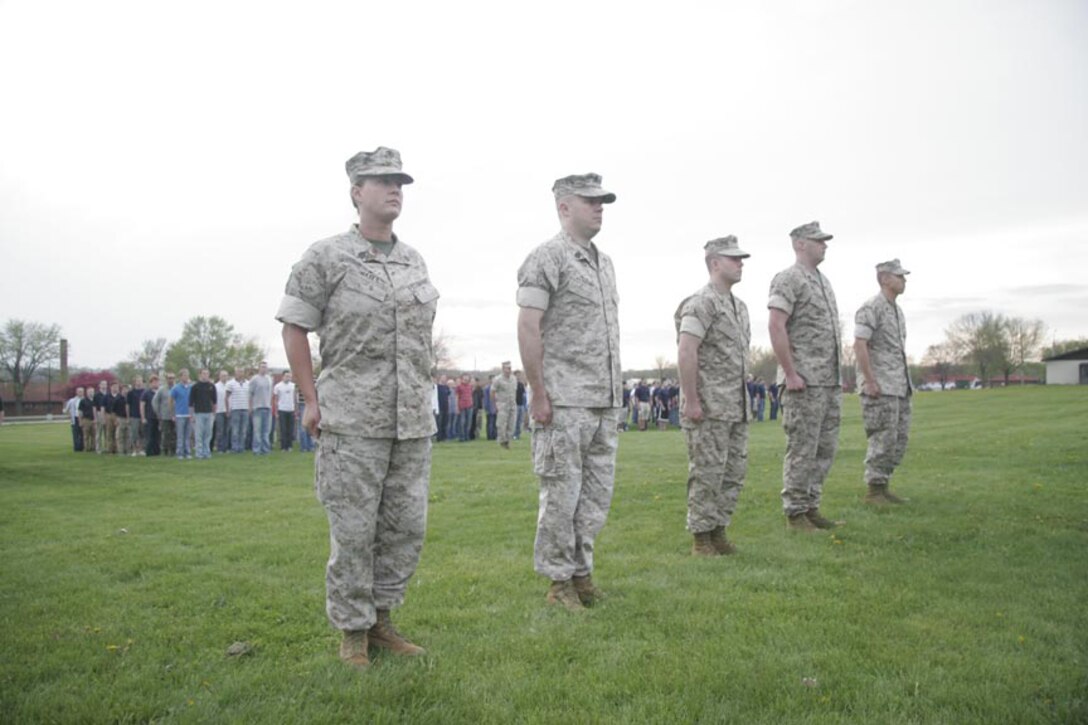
(397,255)
(581,252)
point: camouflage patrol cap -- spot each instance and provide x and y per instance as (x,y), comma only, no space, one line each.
(724,247)
(811,231)
(587,185)
(381,161)
(892,267)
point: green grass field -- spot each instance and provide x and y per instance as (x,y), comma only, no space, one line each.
(126,580)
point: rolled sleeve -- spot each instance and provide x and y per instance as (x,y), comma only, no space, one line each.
(778,302)
(862,332)
(294,311)
(533,297)
(692,326)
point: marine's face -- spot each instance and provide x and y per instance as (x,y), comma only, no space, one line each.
(727,270)
(506,371)
(896,283)
(813,250)
(585,215)
(379,197)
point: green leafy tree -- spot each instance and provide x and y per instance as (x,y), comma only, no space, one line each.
(212,343)
(26,347)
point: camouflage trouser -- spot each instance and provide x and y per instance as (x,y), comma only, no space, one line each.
(575,458)
(508,415)
(717,464)
(811,422)
(374,491)
(887,425)
(169,437)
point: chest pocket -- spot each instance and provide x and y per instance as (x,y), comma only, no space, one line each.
(425,293)
(366,287)
(583,283)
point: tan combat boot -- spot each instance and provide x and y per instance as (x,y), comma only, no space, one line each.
(353,648)
(800,522)
(587,591)
(892,498)
(819,521)
(384,635)
(877,494)
(563,593)
(702,545)
(721,544)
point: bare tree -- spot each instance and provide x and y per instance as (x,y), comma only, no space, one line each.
(1025,340)
(663,365)
(762,363)
(941,359)
(441,351)
(146,360)
(979,339)
(24,348)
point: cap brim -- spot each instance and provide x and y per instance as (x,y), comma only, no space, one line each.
(822,238)
(388,171)
(606,197)
(733,253)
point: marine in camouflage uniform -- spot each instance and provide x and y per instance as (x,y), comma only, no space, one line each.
(504,389)
(804,329)
(568,333)
(368,297)
(713,333)
(880,335)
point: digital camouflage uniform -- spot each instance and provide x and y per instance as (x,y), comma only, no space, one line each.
(505,390)
(887,418)
(575,455)
(812,416)
(373,313)
(717,445)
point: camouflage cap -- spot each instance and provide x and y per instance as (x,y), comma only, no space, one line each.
(587,185)
(724,247)
(381,161)
(811,231)
(892,267)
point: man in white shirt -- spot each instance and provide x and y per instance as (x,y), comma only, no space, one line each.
(222,420)
(238,410)
(283,401)
(72,409)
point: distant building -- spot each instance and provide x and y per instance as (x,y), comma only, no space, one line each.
(1070,368)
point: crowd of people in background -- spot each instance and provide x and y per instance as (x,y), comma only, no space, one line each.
(245,411)
(174,416)
(466,407)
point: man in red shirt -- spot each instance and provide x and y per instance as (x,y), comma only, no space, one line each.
(465,406)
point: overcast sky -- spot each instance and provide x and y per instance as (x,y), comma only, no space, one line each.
(161,161)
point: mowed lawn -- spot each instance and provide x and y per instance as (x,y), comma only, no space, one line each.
(125,581)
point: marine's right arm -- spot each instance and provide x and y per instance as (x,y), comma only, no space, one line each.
(687,364)
(297,346)
(531,346)
(780,343)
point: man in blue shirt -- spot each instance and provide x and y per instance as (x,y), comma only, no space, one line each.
(182,416)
